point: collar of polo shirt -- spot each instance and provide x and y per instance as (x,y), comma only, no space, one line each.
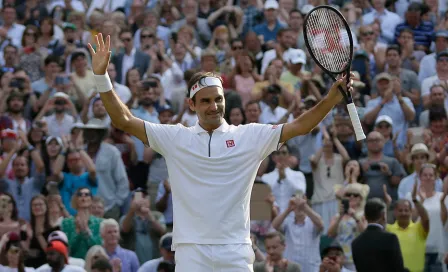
(204,83)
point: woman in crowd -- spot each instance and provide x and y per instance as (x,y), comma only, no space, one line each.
(431,200)
(79,20)
(349,223)
(12,255)
(56,210)
(47,37)
(53,146)
(40,224)
(94,253)
(31,55)
(236,116)
(83,230)
(244,76)
(376,51)
(132,82)
(8,214)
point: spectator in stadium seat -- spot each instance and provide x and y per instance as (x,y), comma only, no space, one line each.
(101,265)
(166,252)
(57,259)
(302,233)
(202,33)
(228,64)
(423,30)
(285,40)
(392,103)
(333,259)
(81,75)
(10,29)
(10,58)
(81,171)
(31,54)
(113,185)
(60,122)
(52,66)
(82,230)
(151,20)
(441,76)
(14,116)
(94,254)
(141,227)
(410,57)
(385,126)
(419,155)
(428,62)
(270,27)
(388,20)
(252,112)
(437,99)
(97,208)
(13,253)
(164,202)
(253,45)
(379,169)
(110,232)
(10,221)
(283,180)
(413,249)
(275,246)
(437,135)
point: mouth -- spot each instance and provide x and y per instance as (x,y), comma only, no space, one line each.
(214,115)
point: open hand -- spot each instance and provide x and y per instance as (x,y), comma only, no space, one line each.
(100,58)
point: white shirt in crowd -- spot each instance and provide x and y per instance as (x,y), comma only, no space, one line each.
(269,116)
(128,63)
(283,189)
(389,21)
(67,268)
(211,177)
(72,262)
(9,269)
(151,265)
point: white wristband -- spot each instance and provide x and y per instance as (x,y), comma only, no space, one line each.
(103,83)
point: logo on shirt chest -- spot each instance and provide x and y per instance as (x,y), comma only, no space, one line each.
(230,143)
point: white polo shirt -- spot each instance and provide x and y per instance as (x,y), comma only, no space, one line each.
(211,177)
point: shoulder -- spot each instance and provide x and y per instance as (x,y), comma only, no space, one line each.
(408,73)
(374,101)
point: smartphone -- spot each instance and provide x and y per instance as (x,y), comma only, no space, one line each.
(138,195)
(375,167)
(345,204)
(17,83)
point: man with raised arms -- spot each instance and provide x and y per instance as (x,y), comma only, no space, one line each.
(211,166)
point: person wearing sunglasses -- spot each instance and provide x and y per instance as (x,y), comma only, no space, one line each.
(349,222)
(83,229)
(12,254)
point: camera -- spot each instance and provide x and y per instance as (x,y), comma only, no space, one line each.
(375,167)
(62,80)
(18,83)
(345,204)
(274,89)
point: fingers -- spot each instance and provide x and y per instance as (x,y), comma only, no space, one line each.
(98,44)
(384,189)
(92,51)
(108,43)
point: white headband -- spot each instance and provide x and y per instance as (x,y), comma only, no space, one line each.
(204,83)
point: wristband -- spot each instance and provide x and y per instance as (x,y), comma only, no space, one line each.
(103,83)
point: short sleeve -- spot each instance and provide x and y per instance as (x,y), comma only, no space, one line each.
(371,105)
(408,102)
(397,169)
(160,191)
(426,86)
(421,231)
(266,138)
(160,137)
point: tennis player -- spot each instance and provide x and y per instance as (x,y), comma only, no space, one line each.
(211,166)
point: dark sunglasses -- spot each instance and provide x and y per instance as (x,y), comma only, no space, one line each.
(237,47)
(30,33)
(147,36)
(352,195)
(367,33)
(83,194)
(126,39)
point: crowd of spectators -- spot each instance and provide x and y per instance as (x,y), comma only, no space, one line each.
(78,194)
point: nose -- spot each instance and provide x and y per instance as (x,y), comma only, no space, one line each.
(213,106)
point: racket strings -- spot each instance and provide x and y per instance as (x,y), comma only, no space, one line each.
(329,39)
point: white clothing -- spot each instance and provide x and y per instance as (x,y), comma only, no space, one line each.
(427,67)
(107,6)
(211,177)
(71,261)
(151,265)
(122,92)
(270,55)
(389,21)
(269,116)
(128,63)
(283,189)
(211,258)
(15,33)
(9,269)
(67,268)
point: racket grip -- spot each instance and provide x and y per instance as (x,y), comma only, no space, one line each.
(355,122)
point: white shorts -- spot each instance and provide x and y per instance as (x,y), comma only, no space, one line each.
(214,258)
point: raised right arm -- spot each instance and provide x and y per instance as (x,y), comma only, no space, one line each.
(119,113)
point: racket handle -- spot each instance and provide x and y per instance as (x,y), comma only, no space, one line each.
(355,122)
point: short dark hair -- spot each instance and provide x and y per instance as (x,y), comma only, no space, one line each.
(393,47)
(102,264)
(374,209)
(165,266)
(126,30)
(52,59)
(283,30)
(414,7)
(437,114)
(402,201)
(295,10)
(272,235)
(408,30)
(251,102)
(198,76)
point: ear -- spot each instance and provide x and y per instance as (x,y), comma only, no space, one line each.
(191,104)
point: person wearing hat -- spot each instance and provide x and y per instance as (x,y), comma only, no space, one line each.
(217,159)
(269,28)
(391,102)
(428,63)
(113,184)
(166,252)
(333,259)
(384,125)
(13,255)
(61,121)
(285,40)
(419,155)
(440,77)
(57,259)
(411,235)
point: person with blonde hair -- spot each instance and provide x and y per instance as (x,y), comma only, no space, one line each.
(94,253)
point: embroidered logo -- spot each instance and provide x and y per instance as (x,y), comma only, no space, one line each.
(274,126)
(230,143)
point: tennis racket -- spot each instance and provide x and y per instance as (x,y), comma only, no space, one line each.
(330,43)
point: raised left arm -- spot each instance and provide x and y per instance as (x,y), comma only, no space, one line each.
(307,121)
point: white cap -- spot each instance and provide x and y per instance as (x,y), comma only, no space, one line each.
(384,118)
(296,56)
(306,8)
(271,4)
(61,95)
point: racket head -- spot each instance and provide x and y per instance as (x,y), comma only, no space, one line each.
(332,53)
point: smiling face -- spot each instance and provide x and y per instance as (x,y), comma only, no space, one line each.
(84,199)
(209,105)
(38,206)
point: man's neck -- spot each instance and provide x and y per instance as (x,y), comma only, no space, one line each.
(58,268)
(93,148)
(81,72)
(128,51)
(49,79)
(21,180)
(375,156)
(149,109)
(380,9)
(403,224)
(110,248)
(16,115)
(8,25)
(59,115)
(210,128)
(395,70)
(271,25)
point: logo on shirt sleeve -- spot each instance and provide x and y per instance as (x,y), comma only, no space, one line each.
(274,126)
(230,143)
